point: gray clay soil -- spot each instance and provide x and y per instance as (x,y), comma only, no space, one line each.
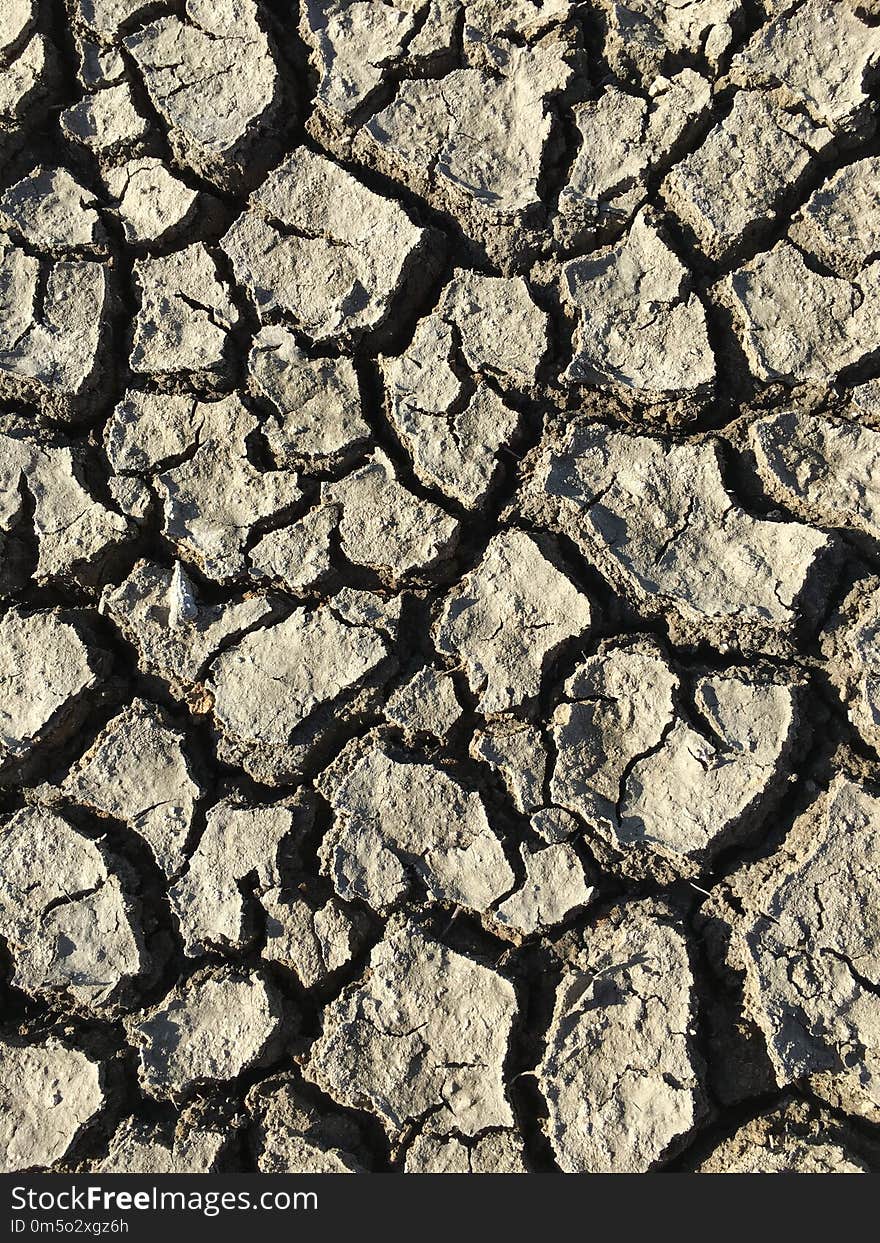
(440,580)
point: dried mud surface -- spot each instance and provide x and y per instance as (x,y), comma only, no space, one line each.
(440,586)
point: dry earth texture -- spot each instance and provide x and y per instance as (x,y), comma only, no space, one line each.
(440,571)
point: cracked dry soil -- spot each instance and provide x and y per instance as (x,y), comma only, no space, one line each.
(440,574)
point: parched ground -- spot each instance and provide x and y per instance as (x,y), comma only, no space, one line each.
(440,585)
